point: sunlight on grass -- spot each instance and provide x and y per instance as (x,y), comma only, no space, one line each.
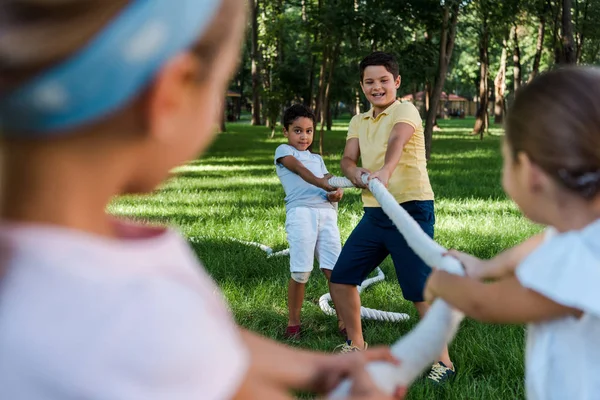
(221,168)
(233,192)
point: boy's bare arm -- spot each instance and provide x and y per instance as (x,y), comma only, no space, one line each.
(400,135)
(349,163)
(291,163)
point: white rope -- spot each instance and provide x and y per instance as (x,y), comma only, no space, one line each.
(263,247)
(365,313)
(285,252)
(419,348)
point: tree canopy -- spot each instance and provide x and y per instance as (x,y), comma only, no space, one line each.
(308,51)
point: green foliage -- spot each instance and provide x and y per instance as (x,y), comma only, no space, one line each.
(295,35)
(587,15)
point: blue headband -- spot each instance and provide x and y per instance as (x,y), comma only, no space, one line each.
(109,71)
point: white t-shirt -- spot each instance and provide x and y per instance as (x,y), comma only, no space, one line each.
(563,355)
(87,317)
(298,192)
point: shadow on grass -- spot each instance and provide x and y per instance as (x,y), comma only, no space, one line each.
(197,184)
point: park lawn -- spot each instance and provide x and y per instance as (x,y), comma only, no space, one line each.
(233,192)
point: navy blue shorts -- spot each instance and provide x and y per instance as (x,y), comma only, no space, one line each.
(374,238)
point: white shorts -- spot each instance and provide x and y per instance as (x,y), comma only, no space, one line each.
(312,232)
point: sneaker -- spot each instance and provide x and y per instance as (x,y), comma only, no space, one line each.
(440,374)
(292,332)
(348,347)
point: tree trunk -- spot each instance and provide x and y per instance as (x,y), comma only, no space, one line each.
(424,101)
(539,48)
(241,99)
(482,119)
(516,58)
(500,86)
(271,106)
(356,102)
(329,113)
(222,127)
(568,46)
(255,58)
(280,45)
(311,83)
(414,94)
(579,52)
(321,88)
(555,40)
(303,11)
(274,105)
(447,40)
(325,101)
(266,97)
(581,33)
(427,96)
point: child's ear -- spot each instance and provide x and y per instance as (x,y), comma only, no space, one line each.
(398,81)
(285,132)
(170,94)
(535,178)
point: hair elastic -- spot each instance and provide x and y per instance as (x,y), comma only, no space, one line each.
(586,183)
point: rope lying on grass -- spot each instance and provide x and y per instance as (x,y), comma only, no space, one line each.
(419,348)
(264,248)
(365,313)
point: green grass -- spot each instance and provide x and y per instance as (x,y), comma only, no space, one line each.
(233,191)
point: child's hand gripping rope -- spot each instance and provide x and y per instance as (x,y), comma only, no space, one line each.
(420,348)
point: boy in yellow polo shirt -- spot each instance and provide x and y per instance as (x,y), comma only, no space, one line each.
(389,141)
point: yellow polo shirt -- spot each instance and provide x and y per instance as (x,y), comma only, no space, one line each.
(409,180)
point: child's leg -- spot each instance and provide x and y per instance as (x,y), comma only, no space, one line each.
(301,228)
(362,253)
(296,289)
(328,248)
(341,325)
(411,271)
(422,307)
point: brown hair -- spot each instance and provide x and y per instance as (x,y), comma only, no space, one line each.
(36,34)
(379,58)
(555,120)
(296,111)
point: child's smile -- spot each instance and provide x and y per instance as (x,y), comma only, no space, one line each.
(379,86)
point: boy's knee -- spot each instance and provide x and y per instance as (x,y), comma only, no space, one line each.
(300,277)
